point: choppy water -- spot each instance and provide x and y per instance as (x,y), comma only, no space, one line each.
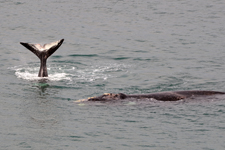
(112,46)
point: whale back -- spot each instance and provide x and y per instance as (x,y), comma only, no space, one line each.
(160,96)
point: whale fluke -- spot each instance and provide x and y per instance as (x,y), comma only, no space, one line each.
(43,52)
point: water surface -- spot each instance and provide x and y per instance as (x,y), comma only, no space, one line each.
(113,46)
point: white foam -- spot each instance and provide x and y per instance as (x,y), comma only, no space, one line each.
(70,73)
(33,76)
(60,76)
(31,73)
(26,75)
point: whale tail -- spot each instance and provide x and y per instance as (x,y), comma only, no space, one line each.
(43,52)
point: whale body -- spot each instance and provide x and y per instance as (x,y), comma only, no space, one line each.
(43,52)
(160,96)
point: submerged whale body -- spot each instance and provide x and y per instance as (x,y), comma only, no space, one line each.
(43,52)
(161,96)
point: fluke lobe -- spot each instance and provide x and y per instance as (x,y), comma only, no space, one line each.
(43,52)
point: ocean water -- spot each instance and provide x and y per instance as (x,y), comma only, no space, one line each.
(114,46)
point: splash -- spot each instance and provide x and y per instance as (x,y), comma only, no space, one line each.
(100,72)
(71,73)
(30,73)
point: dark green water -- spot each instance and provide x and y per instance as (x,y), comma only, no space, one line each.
(112,46)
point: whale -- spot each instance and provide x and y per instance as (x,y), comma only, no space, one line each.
(43,52)
(160,96)
(46,50)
